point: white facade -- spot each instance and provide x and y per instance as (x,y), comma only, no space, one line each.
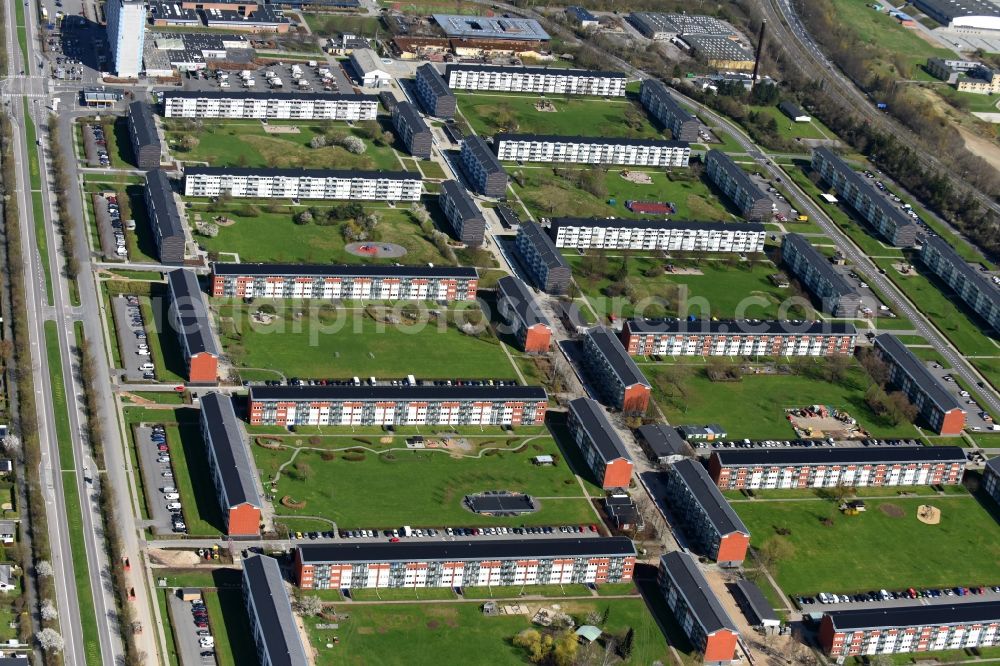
(126,30)
(609,151)
(683,345)
(277,107)
(536,80)
(359,289)
(632,236)
(269,186)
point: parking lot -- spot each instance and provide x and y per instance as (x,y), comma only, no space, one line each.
(896,598)
(783,208)
(187,616)
(705,448)
(315,76)
(147,443)
(138,366)
(110,226)
(974,414)
(95,146)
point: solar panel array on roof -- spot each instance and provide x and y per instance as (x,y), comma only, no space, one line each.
(225,437)
(353,270)
(187,304)
(391,393)
(710,499)
(262,172)
(696,592)
(521,301)
(917,615)
(850,455)
(820,263)
(275,632)
(426,551)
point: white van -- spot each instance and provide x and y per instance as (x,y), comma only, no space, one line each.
(147,367)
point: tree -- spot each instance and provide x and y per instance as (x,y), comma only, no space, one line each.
(208,230)
(353,144)
(303,471)
(318,141)
(899,408)
(308,605)
(625,647)
(11,444)
(835,368)
(564,651)
(774,550)
(877,369)
(48,610)
(304,217)
(419,212)
(50,640)
(189,142)
(43,569)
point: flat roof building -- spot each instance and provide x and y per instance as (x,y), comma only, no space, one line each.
(538,255)
(268,183)
(937,406)
(522,312)
(749,197)
(126,32)
(831,289)
(662,443)
(721,52)
(272,621)
(369,69)
(654,25)
(991,479)
(656,98)
(482,168)
(233,472)
(268,105)
(543,80)
(974,14)
(591,150)
(756,607)
(975,288)
(143,136)
(463,214)
(188,314)
(585,233)
(612,372)
(491,28)
(597,441)
(262,18)
(412,130)
(433,93)
(794,112)
(705,517)
(164,218)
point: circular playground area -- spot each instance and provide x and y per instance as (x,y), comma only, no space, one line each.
(376,250)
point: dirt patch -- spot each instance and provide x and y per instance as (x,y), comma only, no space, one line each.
(904,269)
(290,503)
(984,148)
(268,442)
(223,221)
(281,129)
(929,515)
(545,106)
(639,177)
(173,558)
(892,510)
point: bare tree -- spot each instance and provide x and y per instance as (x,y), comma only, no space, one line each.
(11,444)
(50,640)
(44,569)
(48,610)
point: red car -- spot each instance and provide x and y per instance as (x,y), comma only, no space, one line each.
(394,540)
(179,389)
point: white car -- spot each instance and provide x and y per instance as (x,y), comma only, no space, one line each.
(142,352)
(172,497)
(168,489)
(173,506)
(168,474)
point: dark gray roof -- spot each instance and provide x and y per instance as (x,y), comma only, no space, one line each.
(432,77)
(977,612)
(188,302)
(426,392)
(850,455)
(706,492)
(615,222)
(815,258)
(459,196)
(956,8)
(993,465)
(143,124)
(236,470)
(600,140)
(611,348)
(428,551)
(580,13)
(759,604)
(213,94)
(551,71)
(930,385)
(167,217)
(981,280)
(480,150)
(276,622)
(663,440)
(409,114)
(740,326)
(298,173)
(344,270)
(694,589)
(792,109)
(521,301)
(595,422)
(659,90)
(543,245)
(734,171)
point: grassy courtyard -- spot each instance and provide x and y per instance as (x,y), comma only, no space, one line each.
(792,130)
(341,343)
(831,552)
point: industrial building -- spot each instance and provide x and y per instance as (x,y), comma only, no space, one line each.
(262,18)
(484,563)
(697,609)
(369,70)
(188,314)
(828,467)
(662,444)
(412,130)
(482,168)
(143,136)
(164,218)
(463,26)
(463,214)
(233,471)
(268,105)
(751,200)
(269,608)
(267,183)
(938,407)
(433,93)
(166,54)
(382,405)
(971,14)
(737,337)
(442,284)
(658,101)
(591,150)
(126,32)
(542,80)
(540,257)
(831,289)
(612,372)
(913,628)
(891,223)
(975,288)
(597,441)
(711,526)
(720,52)
(794,112)
(582,17)
(991,479)
(592,233)
(520,309)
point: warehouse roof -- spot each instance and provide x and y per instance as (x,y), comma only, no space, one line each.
(930,385)
(506,549)
(851,455)
(225,438)
(659,90)
(615,222)
(217,94)
(426,392)
(701,601)
(550,71)
(275,620)
(269,172)
(957,8)
(543,245)
(491,27)
(521,301)
(739,327)
(143,125)
(717,47)
(838,283)
(733,170)
(480,150)
(916,615)
(432,76)
(167,217)
(595,422)
(981,280)
(343,270)
(598,140)
(663,440)
(610,347)
(188,304)
(411,117)
(459,196)
(707,494)
(580,13)
(791,109)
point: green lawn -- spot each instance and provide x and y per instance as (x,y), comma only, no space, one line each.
(546,192)
(329,25)
(990,367)
(59,405)
(81,572)
(425,634)
(422,488)
(495,112)
(164,347)
(339,343)
(875,550)
(879,28)
(754,407)
(227,617)
(791,129)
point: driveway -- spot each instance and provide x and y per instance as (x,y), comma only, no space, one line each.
(186,634)
(128,344)
(153,481)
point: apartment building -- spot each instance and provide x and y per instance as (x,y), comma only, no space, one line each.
(364,282)
(126,32)
(752,201)
(463,214)
(911,628)
(544,80)
(697,609)
(520,309)
(591,150)
(397,405)
(268,105)
(594,233)
(272,622)
(539,256)
(656,97)
(433,93)
(831,289)
(949,69)
(991,479)
(975,288)
(164,218)
(412,130)
(599,443)
(939,408)
(709,523)
(503,563)
(143,135)
(981,80)
(613,373)
(889,221)
(482,168)
(827,467)
(737,337)
(188,314)
(266,183)
(233,471)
